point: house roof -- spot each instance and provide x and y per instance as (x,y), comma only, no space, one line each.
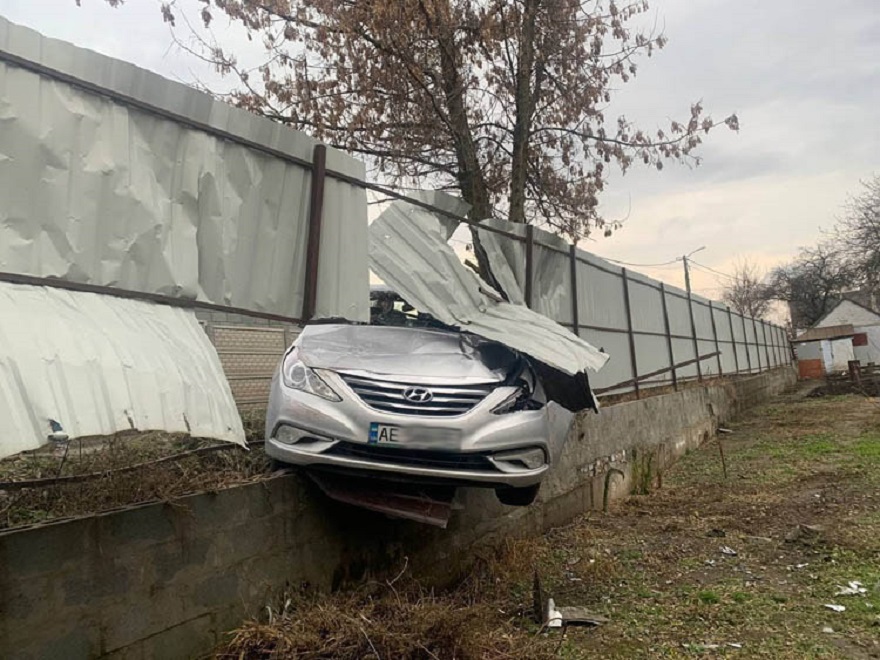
(831,332)
(838,304)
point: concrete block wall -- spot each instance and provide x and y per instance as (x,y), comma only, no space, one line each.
(167,580)
(249,349)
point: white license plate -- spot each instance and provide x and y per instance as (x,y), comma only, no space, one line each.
(390,434)
(385,434)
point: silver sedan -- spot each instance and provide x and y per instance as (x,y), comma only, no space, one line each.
(419,404)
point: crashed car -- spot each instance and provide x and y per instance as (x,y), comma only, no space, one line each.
(454,381)
(415,402)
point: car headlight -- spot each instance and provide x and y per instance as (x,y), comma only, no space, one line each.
(518,400)
(296,375)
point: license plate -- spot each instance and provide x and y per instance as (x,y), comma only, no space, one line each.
(385,434)
(390,434)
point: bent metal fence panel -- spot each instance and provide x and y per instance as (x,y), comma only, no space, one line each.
(656,334)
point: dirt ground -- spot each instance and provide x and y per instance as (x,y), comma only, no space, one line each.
(799,507)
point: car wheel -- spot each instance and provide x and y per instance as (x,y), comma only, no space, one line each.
(517,496)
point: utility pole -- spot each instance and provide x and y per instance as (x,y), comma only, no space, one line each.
(687,275)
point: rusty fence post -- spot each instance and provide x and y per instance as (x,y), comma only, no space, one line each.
(690,302)
(766,347)
(780,338)
(715,337)
(757,345)
(746,342)
(668,336)
(733,338)
(629,332)
(575,323)
(313,246)
(530,258)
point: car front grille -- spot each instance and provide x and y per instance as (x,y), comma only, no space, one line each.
(413,457)
(388,396)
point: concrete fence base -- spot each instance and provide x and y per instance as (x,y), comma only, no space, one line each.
(167,580)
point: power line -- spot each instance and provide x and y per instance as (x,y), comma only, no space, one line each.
(712,270)
(626,263)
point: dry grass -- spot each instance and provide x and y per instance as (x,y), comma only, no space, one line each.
(653,565)
(487,615)
(105,456)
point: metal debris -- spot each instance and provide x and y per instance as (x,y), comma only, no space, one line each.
(559,617)
(835,608)
(853,588)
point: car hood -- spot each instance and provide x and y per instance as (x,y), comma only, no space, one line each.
(402,351)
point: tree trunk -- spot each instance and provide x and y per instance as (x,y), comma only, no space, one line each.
(525,107)
(470,174)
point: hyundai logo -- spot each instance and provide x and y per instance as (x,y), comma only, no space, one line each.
(418,394)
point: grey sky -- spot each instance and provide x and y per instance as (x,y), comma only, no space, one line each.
(803,76)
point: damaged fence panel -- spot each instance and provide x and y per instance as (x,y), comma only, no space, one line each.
(589,295)
(408,250)
(113,176)
(95,365)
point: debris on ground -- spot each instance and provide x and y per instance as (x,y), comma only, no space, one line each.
(805,534)
(560,617)
(853,588)
(835,608)
(728,551)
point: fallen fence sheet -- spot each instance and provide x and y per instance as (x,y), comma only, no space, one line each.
(96,365)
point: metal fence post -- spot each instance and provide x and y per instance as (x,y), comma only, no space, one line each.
(779,356)
(746,342)
(732,339)
(694,334)
(766,348)
(668,336)
(530,257)
(757,345)
(313,246)
(774,345)
(629,332)
(715,337)
(575,324)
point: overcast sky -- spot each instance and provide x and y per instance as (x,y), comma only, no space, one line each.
(802,75)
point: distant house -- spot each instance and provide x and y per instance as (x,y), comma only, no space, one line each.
(866,326)
(864,297)
(825,350)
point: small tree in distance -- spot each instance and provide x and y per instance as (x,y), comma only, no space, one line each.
(858,234)
(813,283)
(503,101)
(747,292)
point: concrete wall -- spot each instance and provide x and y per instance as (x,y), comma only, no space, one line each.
(249,355)
(166,580)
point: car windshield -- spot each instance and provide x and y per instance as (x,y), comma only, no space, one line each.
(389,309)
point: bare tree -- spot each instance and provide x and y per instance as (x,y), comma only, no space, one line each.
(746,292)
(504,101)
(858,233)
(813,283)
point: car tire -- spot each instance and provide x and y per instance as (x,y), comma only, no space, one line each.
(517,496)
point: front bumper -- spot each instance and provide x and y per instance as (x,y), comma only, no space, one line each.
(461,450)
